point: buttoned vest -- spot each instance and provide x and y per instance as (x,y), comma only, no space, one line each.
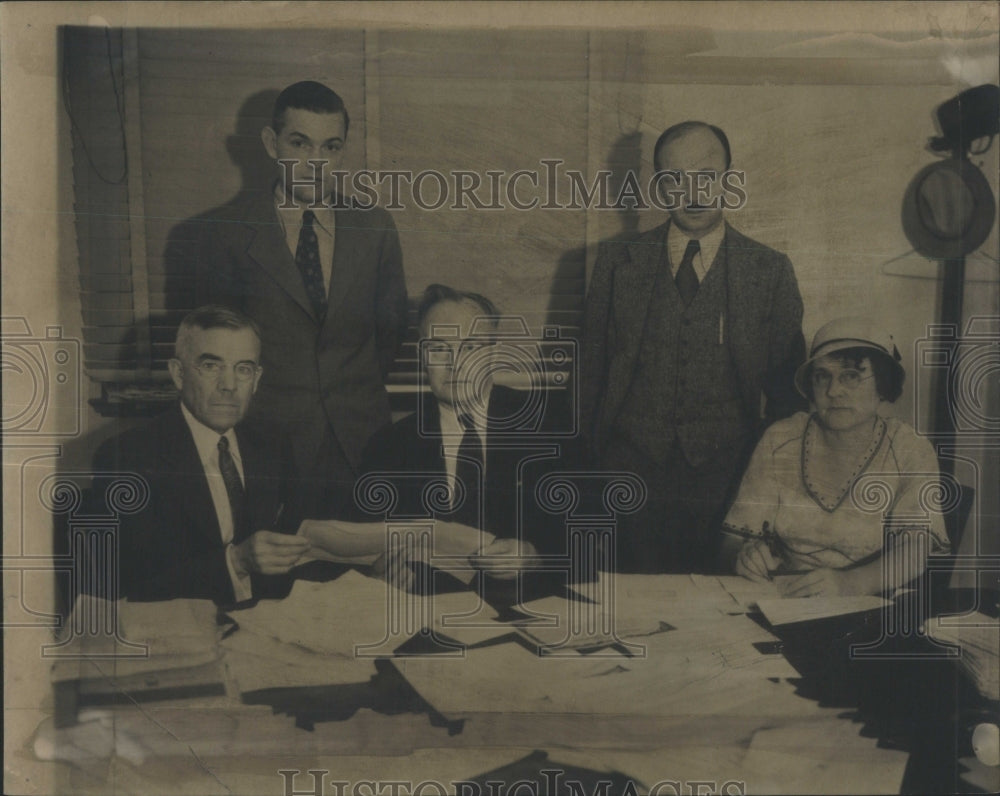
(684,388)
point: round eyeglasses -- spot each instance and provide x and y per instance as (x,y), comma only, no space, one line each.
(242,371)
(848,378)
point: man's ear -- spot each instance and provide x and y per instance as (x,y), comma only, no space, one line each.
(270,139)
(176,369)
(256,380)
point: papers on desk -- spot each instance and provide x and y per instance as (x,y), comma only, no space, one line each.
(146,646)
(820,757)
(257,662)
(681,674)
(353,613)
(687,651)
(788,610)
(978,636)
(583,624)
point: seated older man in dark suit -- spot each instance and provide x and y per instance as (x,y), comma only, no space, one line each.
(218,523)
(463,433)
(220,520)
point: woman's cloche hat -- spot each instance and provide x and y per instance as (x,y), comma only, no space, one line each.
(847,333)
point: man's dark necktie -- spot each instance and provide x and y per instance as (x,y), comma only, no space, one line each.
(307,259)
(468,471)
(686,279)
(234,487)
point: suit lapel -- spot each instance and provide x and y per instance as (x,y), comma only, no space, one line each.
(270,251)
(432,442)
(183,475)
(348,251)
(259,488)
(742,295)
(633,292)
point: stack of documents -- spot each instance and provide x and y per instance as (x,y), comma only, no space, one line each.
(978,636)
(133,647)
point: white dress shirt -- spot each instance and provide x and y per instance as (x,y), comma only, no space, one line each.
(325,226)
(207,442)
(451,437)
(677,242)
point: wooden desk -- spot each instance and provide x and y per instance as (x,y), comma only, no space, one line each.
(685,714)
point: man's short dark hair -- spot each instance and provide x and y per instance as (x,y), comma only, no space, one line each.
(308,95)
(436,294)
(213,316)
(889,377)
(677,130)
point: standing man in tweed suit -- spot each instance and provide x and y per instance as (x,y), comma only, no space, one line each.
(692,336)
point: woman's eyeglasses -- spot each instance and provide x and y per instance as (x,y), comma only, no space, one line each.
(849,379)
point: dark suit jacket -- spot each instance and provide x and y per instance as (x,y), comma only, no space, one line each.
(511,470)
(172,547)
(763,327)
(316,376)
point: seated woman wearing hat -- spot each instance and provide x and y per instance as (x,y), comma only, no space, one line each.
(822,489)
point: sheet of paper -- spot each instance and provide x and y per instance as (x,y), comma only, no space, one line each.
(677,673)
(354,611)
(747,593)
(331,617)
(820,757)
(256,662)
(582,624)
(787,610)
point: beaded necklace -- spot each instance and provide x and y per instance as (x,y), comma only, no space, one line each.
(808,446)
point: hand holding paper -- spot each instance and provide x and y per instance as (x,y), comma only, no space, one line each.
(363,543)
(503,558)
(270,553)
(343,542)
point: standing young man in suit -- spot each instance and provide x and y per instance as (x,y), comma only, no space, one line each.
(219,516)
(689,329)
(324,282)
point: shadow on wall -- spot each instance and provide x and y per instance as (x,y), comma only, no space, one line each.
(180,288)
(246,152)
(568,288)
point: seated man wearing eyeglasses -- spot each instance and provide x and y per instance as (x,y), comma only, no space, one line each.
(216,522)
(466,456)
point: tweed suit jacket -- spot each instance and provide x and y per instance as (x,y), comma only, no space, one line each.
(763,328)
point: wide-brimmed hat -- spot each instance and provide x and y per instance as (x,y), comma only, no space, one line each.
(847,333)
(948,209)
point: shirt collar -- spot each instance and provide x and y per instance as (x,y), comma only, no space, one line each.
(325,215)
(452,426)
(709,244)
(206,440)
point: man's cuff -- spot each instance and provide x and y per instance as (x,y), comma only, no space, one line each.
(240,580)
